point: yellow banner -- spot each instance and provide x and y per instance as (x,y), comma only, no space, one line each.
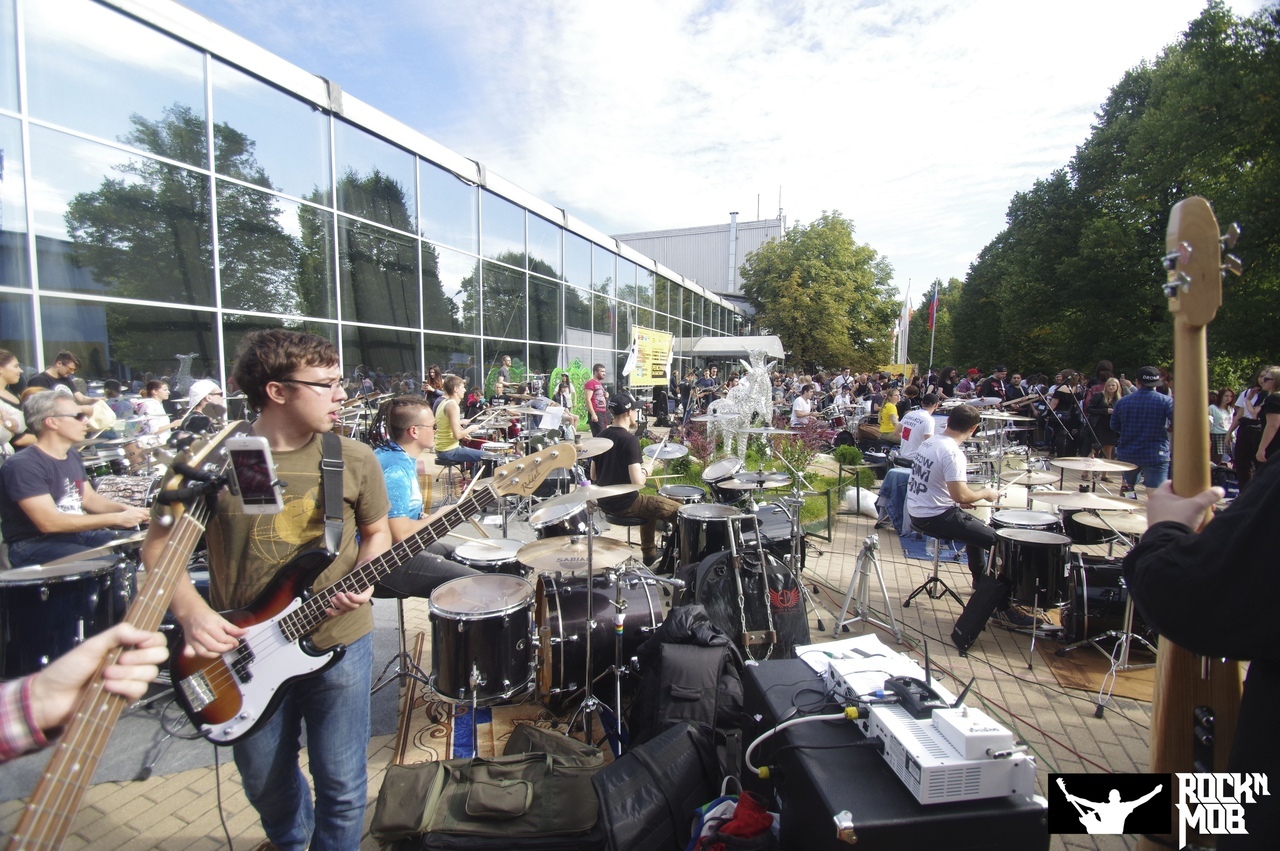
(908,370)
(652,354)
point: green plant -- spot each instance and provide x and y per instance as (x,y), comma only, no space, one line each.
(849,456)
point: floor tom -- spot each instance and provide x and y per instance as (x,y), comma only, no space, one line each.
(482,638)
(1034,563)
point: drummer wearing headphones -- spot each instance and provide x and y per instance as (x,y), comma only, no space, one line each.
(623,464)
(48,508)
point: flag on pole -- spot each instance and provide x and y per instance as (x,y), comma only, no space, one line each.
(933,309)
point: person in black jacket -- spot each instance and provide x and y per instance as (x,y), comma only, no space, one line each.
(1213,592)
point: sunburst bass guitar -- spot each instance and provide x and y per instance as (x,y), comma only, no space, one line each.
(230,696)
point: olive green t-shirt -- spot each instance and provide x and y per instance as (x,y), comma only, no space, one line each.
(247,550)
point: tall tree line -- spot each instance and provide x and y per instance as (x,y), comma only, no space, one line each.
(1075,276)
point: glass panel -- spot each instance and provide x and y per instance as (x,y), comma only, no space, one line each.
(626,281)
(8,57)
(458,355)
(375,178)
(544,247)
(449,290)
(577,260)
(687,313)
(388,354)
(18,329)
(449,208)
(235,326)
(626,318)
(264,136)
(377,275)
(493,353)
(13,206)
(501,230)
(505,301)
(603,270)
(112,223)
(544,310)
(121,340)
(644,318)
(661,288)
(102,73)
(275,255)
(644,288)
(577,309)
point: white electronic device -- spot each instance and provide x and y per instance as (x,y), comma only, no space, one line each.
(253,475)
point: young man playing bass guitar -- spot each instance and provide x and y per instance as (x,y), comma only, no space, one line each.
(294,382)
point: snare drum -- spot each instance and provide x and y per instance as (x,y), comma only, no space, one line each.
(138,491)
(683,494)
(46,611)
(481,638)
(137,452)
(1034,563)
(497,555)
(563,631)
(1017,519)
(560,521)
(704,528)
(721,471)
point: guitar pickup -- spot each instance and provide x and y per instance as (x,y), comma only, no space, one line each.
(241,662)
(766,636)
(197,691)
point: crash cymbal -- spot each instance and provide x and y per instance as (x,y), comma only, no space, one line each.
(714,418)
(772,478)
(589,493)
(589,447)
(770,430)
(1086,501)
(525,409)
(1001,415)
(1126,524)
(133,540)
(667,451)
(571,553)
(1093,465)
(1028,477)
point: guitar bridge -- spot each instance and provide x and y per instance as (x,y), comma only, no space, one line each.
(197,691)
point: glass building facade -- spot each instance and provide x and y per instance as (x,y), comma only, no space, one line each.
(166,187)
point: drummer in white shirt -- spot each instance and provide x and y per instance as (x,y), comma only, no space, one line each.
(917,427)
(802,408)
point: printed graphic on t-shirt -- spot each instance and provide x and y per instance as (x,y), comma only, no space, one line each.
(71,501)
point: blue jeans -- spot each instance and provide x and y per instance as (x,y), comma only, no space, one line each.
(45,548)
(461,455)
(335,707)
(1153,475)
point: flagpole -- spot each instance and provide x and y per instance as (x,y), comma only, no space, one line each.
(933,320)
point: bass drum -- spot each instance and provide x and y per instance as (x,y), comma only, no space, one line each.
(768,590)
(562,619)
(481,639)
(1097,600)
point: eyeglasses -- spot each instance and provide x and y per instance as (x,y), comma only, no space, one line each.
(331,386)
(423,425)
(81,416)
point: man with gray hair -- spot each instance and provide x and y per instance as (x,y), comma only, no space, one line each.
(48,508)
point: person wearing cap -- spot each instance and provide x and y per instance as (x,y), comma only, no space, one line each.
(207,406)
(995,386)
(969,383)
(624,464)
(1142,421)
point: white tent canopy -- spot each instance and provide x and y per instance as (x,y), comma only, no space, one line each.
(728,347)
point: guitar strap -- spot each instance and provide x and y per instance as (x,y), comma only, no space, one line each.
(331,484)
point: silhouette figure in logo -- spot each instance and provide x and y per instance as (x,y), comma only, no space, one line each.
(1106,817)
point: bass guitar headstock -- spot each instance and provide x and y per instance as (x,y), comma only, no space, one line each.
(1193,261)
(522,477)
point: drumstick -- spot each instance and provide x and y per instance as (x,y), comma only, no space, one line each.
(654,460)
(488,542)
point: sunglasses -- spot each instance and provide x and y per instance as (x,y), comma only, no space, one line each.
(81,416)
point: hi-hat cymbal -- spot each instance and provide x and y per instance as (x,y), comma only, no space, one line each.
(770,478)
(589,493)
(1124,523)
(571,553)
(1093,465)
(770,430)
(744,485)
(1028,477)
(592,446)
(1001,415)
(133,540)
(666,452)
(714,418)
(1087,500)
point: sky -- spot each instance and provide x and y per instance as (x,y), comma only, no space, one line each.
(917,120)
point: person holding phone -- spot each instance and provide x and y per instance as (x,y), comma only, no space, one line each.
(48,507)
(294,382)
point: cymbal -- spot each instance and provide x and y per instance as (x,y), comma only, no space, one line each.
(771,477)
(1028,477)
(667,451)
(714,418)
(525,409)
(1001,415)
(592,446)
(1087,500)
(571,553)
(744,485)
(1128,524)
(133,540)
(770,430)
(590,493)
(1090,465)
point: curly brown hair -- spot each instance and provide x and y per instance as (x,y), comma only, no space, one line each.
(274,354)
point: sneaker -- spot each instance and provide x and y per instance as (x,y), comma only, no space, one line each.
(1015,617)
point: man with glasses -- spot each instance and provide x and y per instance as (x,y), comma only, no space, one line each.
(48,508)
(411,427)
(294,382)
(64,366)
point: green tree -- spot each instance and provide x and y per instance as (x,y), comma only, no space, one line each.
(826,296)
(942,338)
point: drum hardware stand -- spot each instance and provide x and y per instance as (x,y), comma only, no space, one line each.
(1125,636)
(859,592)
(935,587)
(798,489)
(405,666)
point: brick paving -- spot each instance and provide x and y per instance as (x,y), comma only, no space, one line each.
(181,811)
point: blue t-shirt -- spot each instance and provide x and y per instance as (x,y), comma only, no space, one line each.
(401,472)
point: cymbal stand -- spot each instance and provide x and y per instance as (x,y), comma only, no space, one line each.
(796,557)
(859,592)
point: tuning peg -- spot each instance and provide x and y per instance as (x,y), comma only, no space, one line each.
(1229,238)
(1181,255)
(1180,282)
(1232,264)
